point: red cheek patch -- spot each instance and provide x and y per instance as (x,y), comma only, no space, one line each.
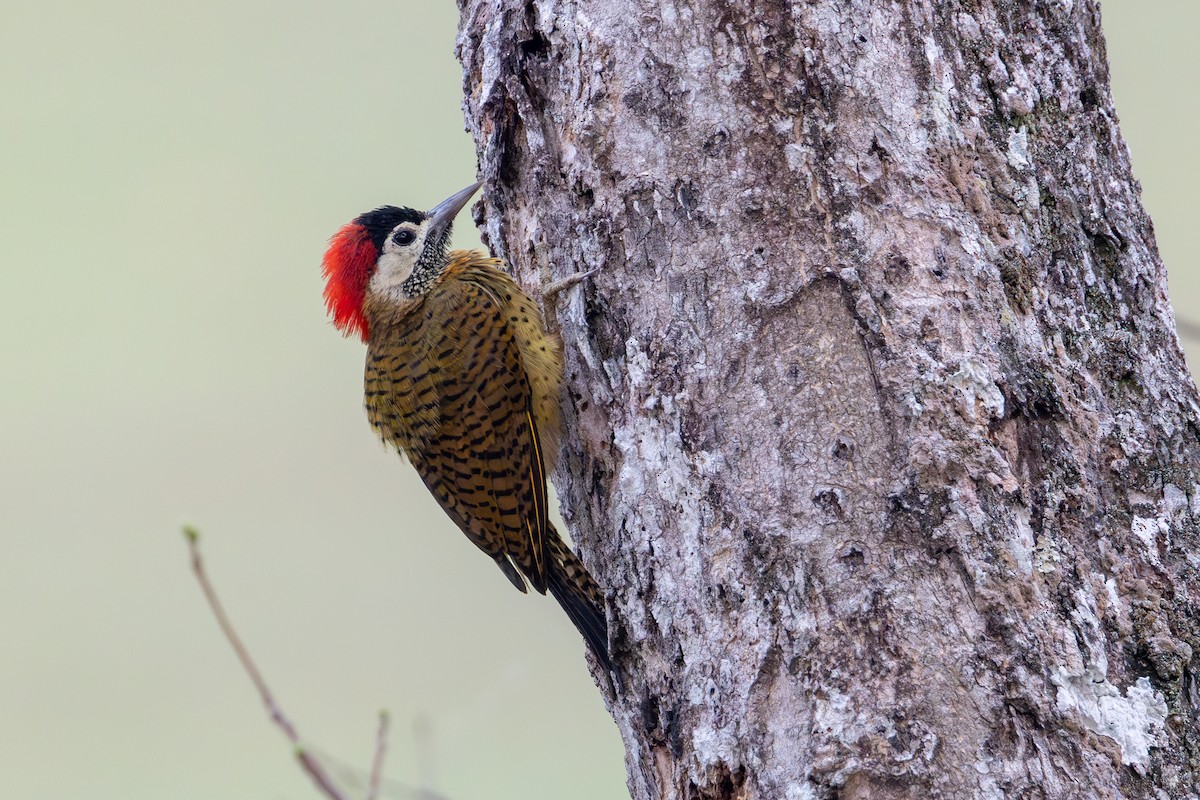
(347,267)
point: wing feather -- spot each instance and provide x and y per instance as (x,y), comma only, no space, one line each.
(448,386)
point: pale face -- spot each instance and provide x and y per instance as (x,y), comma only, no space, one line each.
(401,250)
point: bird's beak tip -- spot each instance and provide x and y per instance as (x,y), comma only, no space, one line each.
(445,212)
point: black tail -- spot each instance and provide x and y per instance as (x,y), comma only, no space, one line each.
(576,591)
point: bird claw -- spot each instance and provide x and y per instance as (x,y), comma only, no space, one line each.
(552,289)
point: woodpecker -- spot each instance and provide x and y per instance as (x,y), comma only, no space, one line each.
(462,378)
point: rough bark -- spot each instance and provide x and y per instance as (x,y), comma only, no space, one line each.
(880,436)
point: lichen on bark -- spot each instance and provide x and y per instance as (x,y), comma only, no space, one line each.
(881,440)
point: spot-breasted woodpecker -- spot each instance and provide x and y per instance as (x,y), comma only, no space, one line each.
(462,378)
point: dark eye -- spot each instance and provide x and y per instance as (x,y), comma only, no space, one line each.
(404,238)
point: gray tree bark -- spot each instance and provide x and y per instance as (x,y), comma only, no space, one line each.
(881,441)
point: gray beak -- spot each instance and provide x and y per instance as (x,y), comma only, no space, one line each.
(442,215)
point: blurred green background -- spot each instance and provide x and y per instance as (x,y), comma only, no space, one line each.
(171,174)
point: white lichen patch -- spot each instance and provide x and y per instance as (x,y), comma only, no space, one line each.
(714,746)
(1134,720)
(939,109)
(653,440)
(1046,556)
(1147,529)
(1174,500)
(1018,149)
(798,157)
(800,791)
(975,382)
(1021,543)
(1114,597)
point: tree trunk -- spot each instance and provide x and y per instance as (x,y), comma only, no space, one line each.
(880,439)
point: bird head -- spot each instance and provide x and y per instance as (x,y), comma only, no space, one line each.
(391,251)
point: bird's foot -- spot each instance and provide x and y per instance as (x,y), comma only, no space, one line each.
(552,290)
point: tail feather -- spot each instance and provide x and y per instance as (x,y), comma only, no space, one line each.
(576,591)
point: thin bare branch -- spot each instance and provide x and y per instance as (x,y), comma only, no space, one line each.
(356,779)
(380,750)
(310,764)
